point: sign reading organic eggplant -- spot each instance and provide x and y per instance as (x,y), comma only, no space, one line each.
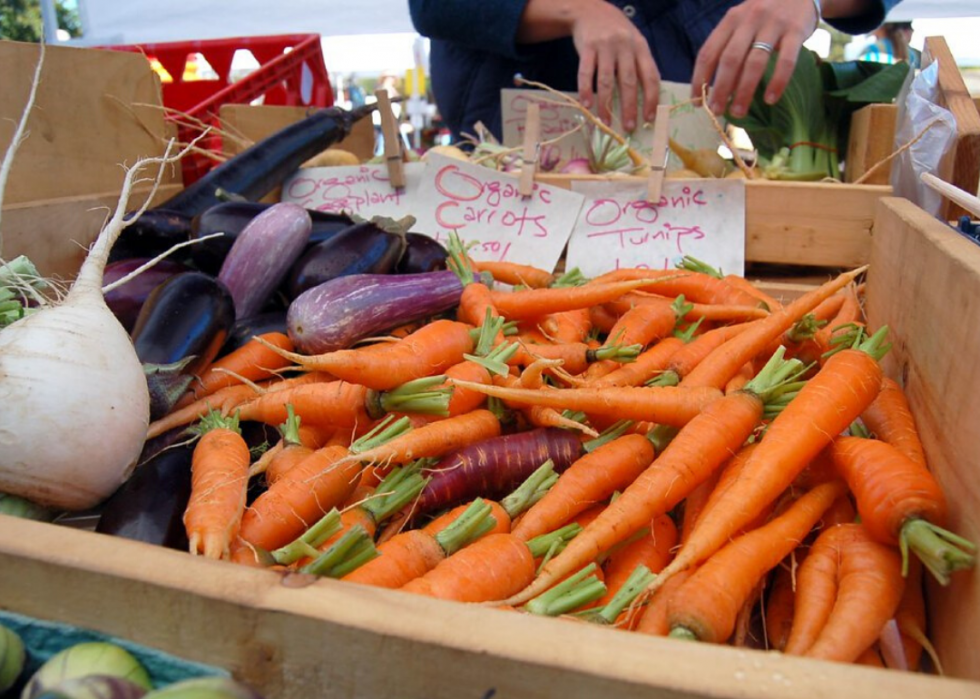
(690,126)
(618,228)
(364,190)
(484,207)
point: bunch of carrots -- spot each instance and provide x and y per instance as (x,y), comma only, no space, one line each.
(667,452)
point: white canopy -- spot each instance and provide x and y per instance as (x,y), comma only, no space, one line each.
(358,35)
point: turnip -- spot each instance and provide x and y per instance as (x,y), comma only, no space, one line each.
(75,400)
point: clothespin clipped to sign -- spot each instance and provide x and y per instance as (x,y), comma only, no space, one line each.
(659,153)
(393,148)
(532,148)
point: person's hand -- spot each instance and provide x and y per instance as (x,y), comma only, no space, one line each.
(613,53)
(732,57)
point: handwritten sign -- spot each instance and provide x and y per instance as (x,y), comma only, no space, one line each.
(618,228)
(689,124)
(356,189)
(484,206)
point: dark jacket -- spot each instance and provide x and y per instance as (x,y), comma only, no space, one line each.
(474,52)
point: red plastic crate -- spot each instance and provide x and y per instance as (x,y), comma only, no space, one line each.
(291,72)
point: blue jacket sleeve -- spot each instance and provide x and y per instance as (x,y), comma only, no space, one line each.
(484,25)
(867,22)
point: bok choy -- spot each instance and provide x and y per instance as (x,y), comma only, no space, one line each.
(802,136)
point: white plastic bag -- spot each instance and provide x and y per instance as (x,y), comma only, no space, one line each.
(917,109)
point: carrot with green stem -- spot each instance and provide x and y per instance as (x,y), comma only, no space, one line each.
(490,568)
(693,351)
(823,408)
(723,313)
(700,447)
(515,274)
(864,582)
(430,350)
(695,286)
(577,591)
(900,503)
(527,304)
(347,404)
(724,361)
(647,365)
(287,453)
(219,483)
(413,552)
(652,549)
(592,478)
(566,326)
(706,606)
(692,264)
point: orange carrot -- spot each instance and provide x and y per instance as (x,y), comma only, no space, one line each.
(292,452)
(869,587)
(910,618)
(823,408)
(225,401)
(683,361)
(688,311)
(901,503)
(779,605)
(668,404)
(430,350)
(591,479)
(696,451)
(652,549)
(647,365)
(695,286)
(653,619)
(299,498)
(566,326)
(413,552)
(890,419)
(706,606)
(526,304)
(723,362)
(515,274)
(254,361)
(219,482)
(475,305)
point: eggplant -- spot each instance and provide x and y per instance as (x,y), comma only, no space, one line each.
(367,247)
(230,218)
(423,253)
(150,506)
(262,254)
(153,233)
(338,313)
(259,169)
(125,301)
(179,331)
(259,324)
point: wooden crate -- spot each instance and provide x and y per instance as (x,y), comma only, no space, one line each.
(797,223)
(296,637)
(871,141)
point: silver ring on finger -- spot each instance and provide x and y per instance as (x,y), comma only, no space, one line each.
(765,46)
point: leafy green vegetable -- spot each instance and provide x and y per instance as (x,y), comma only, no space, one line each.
(802,135)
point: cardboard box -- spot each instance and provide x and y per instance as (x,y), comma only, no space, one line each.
(294,636)
(95,112)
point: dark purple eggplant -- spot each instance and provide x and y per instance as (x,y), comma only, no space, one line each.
(423,253)
(230,218)
(262,255)
(259,324)
(125,301)
(150,506)
(179,331)
(338,313)
(493,467)
(154,232)
(367,247)
(259,169)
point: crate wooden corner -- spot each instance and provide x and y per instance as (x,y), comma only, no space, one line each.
(870,142)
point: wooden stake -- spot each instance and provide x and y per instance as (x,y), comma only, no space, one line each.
(393,147)
(532,147)
(659,154)
(953,193)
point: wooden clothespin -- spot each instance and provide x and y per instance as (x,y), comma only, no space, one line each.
(484,134)
(532,148)
(659,153)
(393,147)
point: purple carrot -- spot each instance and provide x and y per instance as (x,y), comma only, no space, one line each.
(494,467)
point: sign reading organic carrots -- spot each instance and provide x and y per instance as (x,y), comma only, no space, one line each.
(618,227)
(364,190)
(484,207)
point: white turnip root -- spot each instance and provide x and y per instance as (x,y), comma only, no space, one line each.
(74,396)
